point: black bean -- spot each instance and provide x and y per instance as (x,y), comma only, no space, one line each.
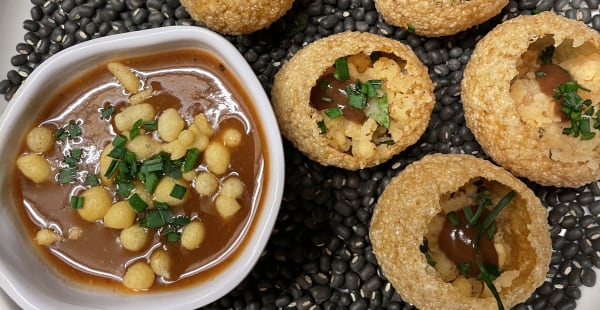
(14,77)
(573,292)
(4,86)
(359,304)
(568,221)
(18,60)
(49,7)
(588,277)
(574,233)
(351,280)
(570,250)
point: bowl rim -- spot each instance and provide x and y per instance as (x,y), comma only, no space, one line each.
(120,46)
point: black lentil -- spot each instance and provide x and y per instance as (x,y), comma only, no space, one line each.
(319,255)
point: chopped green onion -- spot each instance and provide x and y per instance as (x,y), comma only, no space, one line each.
(424,248)
(190,159)
(119,141)
(137,203)
(151,182)
(124,189)
(453,218)
(92,180)
(333,112)
(379,111)
(322,127)
(323,85)
(178,191)
(117,152)
(152,165)
(112,168)
(341,69)
(410,28)
(61,134)
(150,125)
(355,97)
(464,268)
(74,130)
(74,157)
(76,202)
(327,99)
(135,129)
(67,175)
(106,112)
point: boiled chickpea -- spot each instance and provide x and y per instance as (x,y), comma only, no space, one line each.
(133,238)
(189,176)
(193,234)
(160,261)
(120,216)
(227,206)
(186,137)
(46,237)
(139,276)
(144,147)
(170,124)
(34,167)
(96,202)
(174,148)
(141,96)
(217,158)
(201,140)
(206,183)
(232,187)
(202,124)
(125,76)
(125,119)
(142,193)
(40,139)
(162,193)
(232,137)
(74,233)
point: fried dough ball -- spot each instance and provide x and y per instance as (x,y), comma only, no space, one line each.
(237,16)
(440,17)
(517,124)
(346,143)
(414,198)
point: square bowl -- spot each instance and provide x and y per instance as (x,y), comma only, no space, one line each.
(26,277)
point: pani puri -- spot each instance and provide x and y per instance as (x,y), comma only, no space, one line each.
(409,212)
(440,17)
(237,16)
(509,94)
(380,107)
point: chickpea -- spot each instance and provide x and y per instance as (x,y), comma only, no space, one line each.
(206,183)
(34,167)
(105,162)
(144,147)
(186,137)
(170,124)
(201,123)
(217,158)
(141,96)
(162,193)
(133,238)
(139,276)
(125,76)
(174,148)
(193,234)
(232,137)
(40,139)
(160,261)
(46,237)
(96,202)
(227,206)
(232,187)
(125,119)
(120,216)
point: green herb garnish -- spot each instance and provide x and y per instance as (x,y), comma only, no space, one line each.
(191,157)
(67,175)
(576,109)
(322,127)
(379,111)
(178,191)
(410,28)
(73,158)
(453,218)
(76,202)
(137,203)
(424,248)
(333,112)
(464,268)
(92,180)
(341,69)
(106,112)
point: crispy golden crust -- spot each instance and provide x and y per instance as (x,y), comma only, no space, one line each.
(490,111)
(439,17)
(237,16)
(412,199)
(298,120)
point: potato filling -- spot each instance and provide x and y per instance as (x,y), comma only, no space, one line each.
(557,92)
(355,98)
(464,242)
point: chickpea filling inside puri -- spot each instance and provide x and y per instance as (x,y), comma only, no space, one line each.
(159,182)
(465,241)
(557,91)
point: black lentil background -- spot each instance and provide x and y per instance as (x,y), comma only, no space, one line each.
(319,255)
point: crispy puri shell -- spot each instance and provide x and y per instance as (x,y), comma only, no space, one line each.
(237,16)
(439,17)
(298,120)
(491,113)
(412,199)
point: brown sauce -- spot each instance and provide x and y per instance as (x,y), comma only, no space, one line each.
(549,78)
(329,87)
(458,243)
(191,81)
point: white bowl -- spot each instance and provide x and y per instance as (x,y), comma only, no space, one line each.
(24,275)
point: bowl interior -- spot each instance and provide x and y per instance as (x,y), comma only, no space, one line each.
(20,263)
